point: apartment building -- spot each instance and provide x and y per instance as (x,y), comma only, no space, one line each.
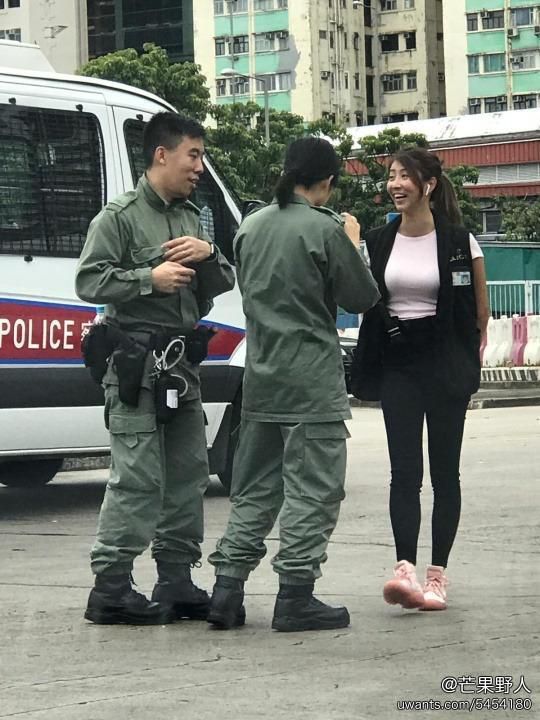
(355,61)
(493,48)
(118,24)
(58,26)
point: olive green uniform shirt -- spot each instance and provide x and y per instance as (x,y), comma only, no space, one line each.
(294,267)
(123,245)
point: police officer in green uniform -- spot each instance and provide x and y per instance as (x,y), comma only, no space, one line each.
(149,261)
(296,262)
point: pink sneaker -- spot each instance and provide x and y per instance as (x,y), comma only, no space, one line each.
(435,588)
(404,589)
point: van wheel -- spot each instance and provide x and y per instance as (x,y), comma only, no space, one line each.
(29,473)
(225,476)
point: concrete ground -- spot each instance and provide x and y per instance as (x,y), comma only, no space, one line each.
(55,665)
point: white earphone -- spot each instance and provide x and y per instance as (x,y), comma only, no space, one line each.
(428,189)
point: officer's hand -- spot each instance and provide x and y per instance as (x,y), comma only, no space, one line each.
(186,249)
(169,277)
(352,228)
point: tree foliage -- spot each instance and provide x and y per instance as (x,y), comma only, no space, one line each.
(237,143)
(520,219)
(181,84)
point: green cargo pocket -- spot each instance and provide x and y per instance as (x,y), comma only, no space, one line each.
(325,461)
(147,256)
(335,430)
(129,429)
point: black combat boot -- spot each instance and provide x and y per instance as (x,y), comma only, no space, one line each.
(176,591)
(226,606)
(113,601)
(296,609)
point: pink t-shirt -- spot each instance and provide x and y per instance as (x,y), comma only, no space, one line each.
(412,275)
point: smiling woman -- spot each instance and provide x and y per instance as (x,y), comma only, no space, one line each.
(418,351)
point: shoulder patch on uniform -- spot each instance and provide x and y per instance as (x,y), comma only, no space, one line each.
(122,201)
(329,213)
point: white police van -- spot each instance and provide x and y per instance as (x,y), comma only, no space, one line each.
(68,145)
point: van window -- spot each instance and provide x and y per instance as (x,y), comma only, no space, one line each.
(216,218)
(52,180)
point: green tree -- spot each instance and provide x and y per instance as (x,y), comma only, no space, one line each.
(520,219)
(181,84)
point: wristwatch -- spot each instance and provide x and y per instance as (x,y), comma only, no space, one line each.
(212,250)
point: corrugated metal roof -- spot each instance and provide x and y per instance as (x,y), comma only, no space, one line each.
(463,128)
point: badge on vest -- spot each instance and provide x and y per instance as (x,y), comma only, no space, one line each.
(461,278)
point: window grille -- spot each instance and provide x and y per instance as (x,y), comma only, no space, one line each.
(52,180)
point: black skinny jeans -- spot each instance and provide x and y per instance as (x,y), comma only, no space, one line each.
(410,393)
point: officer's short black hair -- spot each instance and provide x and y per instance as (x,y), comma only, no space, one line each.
(168,129)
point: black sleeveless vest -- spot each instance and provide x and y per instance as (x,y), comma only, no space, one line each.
(457,339)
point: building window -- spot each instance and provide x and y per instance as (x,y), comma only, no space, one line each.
(12,34)
(219,7)
(284,81)
(357,81)
(369,51)
(411,80)
(475,106)
(522,16)
(525,61)
(472,22)
(396,117)
(356,41)
(390,43)
(493,20)
(52,180)
(264,5)
(388,5)
(283,40)
(239,86)
(346,80)
(264,42)
(369,91)
(14,3)
(282,4)
(221,47)
(410,41)
(522,102)
(239,6)
(345,40)
(241,44)
(408,5)
(221,88)
(495,62)
(322,34)
(496,104)
(474,64)
(332,80)
(392,83)
(331,39)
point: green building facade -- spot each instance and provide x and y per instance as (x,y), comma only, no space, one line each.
(503,52)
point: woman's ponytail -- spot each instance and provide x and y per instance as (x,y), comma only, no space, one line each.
(285,189)
(445,201)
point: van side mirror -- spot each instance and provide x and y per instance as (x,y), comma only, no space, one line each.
(248,206)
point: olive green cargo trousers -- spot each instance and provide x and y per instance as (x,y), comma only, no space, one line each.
(297,471)
(158,477)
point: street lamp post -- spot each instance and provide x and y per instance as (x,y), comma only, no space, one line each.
(232,73)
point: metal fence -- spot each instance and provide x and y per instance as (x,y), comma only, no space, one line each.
(514,297)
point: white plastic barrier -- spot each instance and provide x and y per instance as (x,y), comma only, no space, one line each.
(498,350)
(531,354)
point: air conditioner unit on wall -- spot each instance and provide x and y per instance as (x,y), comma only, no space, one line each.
(484,14)
(537,29)
(512,32)
(325,74)
(282,34)
(474,102)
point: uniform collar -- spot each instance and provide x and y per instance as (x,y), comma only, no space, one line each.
(152,198)
(297,199)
